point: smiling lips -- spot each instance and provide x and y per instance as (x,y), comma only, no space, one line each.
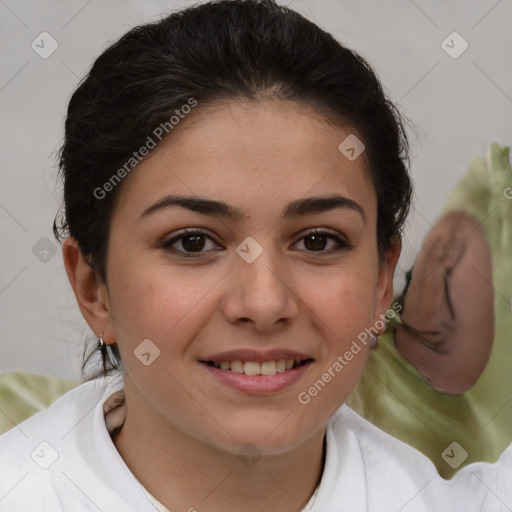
(264,377)
(252,363)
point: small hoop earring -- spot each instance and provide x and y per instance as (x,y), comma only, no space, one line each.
(374,341)
(102,345)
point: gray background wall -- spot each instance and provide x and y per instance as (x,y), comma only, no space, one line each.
(457,105)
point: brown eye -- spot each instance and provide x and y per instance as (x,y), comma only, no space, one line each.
(316,242)
(324,242)
(193,242)
(188,242)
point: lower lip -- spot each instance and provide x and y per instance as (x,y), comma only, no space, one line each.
(259,384)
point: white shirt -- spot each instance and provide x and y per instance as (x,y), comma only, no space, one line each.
(63,459)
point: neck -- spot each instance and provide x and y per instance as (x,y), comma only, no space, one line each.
(184,473)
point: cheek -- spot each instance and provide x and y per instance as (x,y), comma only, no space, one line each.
(342,308)
(341,315)
(342,303)
(162,304)
(155,301)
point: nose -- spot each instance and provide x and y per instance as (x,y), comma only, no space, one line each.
(261,294)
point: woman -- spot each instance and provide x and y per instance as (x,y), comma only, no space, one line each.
(235,187)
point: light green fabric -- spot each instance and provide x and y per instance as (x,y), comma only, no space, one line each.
(392,393)
(23,394)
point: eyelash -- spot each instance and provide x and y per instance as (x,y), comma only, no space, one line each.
(343,245)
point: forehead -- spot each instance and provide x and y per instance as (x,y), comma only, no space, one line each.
(249,154)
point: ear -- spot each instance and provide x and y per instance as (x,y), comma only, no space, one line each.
(387,265)
(90,292)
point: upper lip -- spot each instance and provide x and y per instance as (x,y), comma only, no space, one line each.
(255,355)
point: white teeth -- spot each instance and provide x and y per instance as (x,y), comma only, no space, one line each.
(252,368)
(281,365)
(268,368)
(237,366)
(256,368)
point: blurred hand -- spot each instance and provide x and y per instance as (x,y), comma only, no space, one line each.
(449,306)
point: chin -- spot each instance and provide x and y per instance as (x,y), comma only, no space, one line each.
(273,435)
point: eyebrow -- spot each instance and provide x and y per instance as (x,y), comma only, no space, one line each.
(300,207)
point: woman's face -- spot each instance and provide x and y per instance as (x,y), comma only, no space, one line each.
(257,285)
